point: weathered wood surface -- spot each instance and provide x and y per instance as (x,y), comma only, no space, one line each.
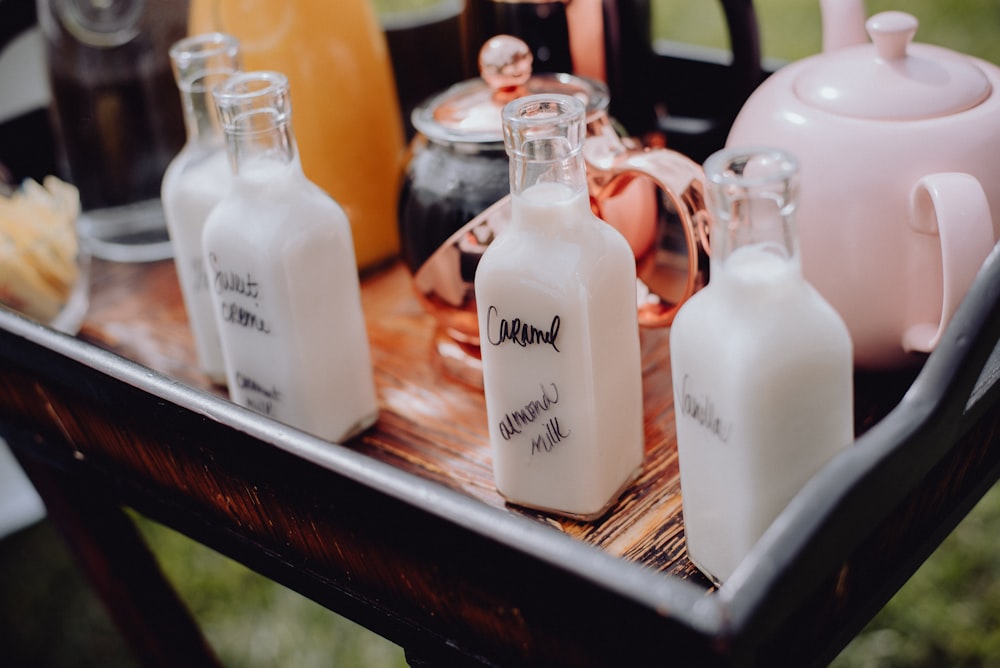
(430,424)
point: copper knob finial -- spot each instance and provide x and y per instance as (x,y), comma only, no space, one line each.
(505,62)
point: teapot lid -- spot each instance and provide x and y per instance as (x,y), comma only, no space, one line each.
(470,111)
(893,79)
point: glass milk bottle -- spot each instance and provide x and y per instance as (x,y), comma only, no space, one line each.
(761,364)
(196,180)
(282,274)
(555,296)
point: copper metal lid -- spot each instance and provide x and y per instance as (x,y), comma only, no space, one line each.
(469,112)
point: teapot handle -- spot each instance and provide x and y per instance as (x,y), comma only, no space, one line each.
(954,207)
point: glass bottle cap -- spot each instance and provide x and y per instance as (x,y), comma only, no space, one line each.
(470,111)
(893,79)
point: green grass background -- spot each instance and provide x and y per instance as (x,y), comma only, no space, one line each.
(948,614)
(790,29)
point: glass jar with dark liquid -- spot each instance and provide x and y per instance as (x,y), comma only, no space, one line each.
(115,115)
(447,185)
(458,166)
(458,169)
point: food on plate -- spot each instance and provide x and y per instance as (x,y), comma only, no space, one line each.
(38,247)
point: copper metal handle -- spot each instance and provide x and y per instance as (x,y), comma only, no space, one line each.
(445,281)
(611,166)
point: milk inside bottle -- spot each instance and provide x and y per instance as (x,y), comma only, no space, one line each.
(762,366)
(555,295)
(196,180)
(283,277)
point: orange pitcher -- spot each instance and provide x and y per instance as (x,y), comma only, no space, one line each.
(347,114)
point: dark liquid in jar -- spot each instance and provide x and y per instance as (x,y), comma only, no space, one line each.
(117,142)
(115,109)
(443,190)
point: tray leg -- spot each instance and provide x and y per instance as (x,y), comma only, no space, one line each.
(123,571)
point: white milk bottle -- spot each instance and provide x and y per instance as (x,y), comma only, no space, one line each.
(282,274)
(196,180)
(762,366)
(555,296)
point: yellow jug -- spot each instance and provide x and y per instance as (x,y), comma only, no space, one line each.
(347,114)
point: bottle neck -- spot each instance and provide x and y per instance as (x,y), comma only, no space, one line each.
(264,151)
(753,197)
(201,119)
(256,113)
(200,63)
(527,173)
(544,135)
(755,223)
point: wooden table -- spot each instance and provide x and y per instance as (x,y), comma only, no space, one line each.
(402,530)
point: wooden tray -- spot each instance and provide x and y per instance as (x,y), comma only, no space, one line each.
(431,425)
(402,529)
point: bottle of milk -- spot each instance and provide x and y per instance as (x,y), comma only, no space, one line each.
(282,275)
(196,180)
(555,295)
(762,366)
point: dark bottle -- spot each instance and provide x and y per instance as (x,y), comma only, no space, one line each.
(425,46)
(541,24)
(628,51)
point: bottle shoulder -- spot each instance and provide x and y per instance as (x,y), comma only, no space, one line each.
(581,237)
(200,170)
(274,216)
(799,322)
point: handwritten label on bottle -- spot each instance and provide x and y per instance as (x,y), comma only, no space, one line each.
(702,410)
(500,330)
(233,285)
(546,435)
(553,435)
(258,396)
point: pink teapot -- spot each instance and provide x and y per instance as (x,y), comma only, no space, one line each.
(898,144)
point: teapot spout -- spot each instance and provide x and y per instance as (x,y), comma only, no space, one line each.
(843,23)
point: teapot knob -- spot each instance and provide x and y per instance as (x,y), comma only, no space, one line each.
(892,32)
